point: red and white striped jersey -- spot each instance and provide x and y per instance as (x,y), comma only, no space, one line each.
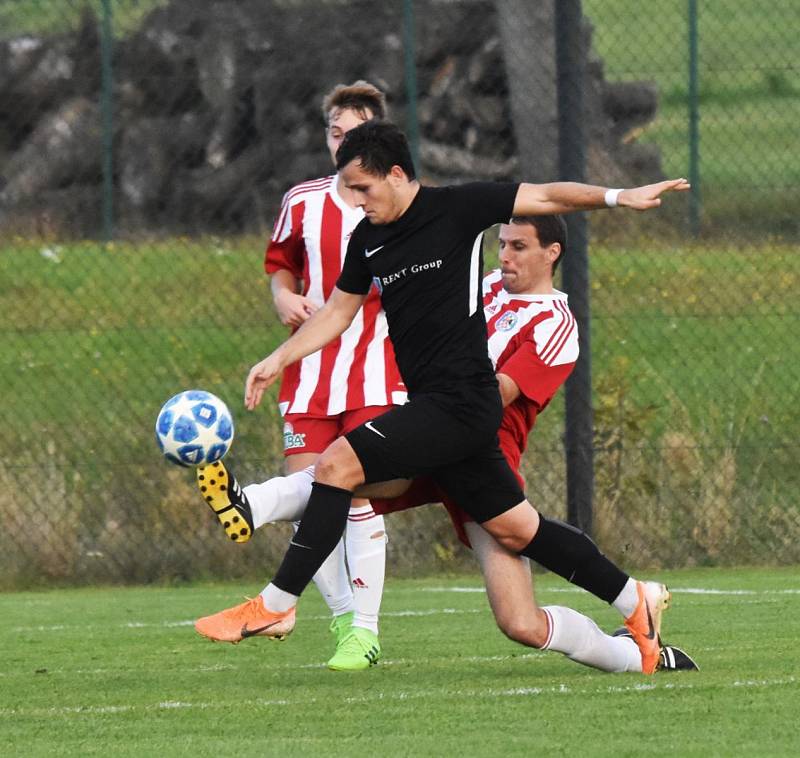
(358,369)
(533,339)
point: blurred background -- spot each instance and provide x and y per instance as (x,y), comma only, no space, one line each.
(144,149)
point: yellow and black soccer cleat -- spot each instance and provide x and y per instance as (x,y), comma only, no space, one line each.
(226,498)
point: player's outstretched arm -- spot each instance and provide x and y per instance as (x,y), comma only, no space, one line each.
(321,328)
(565,197)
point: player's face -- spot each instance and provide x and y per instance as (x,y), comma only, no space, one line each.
(525,264)
(341,121)
(380,197)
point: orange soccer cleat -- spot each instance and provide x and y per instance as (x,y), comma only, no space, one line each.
(644,623)
(248,619)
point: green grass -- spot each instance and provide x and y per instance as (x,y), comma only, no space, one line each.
(47,17)
(693,361)
(749,95)
(99,671)
(128,325)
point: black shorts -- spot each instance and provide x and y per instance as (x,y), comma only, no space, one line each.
(449,436)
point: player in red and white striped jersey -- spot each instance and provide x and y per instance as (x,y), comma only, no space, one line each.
(532,341)
(349,381)
(533,344)
(357,370)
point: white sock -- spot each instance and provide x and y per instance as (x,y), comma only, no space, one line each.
(333,582)
(628,599)
(365,537)
(283,498)
(580,639)
(277,600)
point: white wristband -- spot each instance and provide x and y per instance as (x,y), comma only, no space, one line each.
(612,196)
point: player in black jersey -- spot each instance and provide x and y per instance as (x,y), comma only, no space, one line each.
(421,247)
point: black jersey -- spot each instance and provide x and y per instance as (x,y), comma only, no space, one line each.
(427,266)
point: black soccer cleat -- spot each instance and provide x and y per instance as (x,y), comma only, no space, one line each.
(670,658)
(226,498)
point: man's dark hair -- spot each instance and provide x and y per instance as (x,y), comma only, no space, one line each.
(379,145)
(549,229)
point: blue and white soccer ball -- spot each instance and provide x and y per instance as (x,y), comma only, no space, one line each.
(194,428)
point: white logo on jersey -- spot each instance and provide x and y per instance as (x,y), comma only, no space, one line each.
(370,253)
(415,268)
(292,440)
(373,429)
(506,322)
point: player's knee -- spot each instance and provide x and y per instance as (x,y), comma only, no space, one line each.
(338,466)
(328,470)
(515,528)
(511,542)
(527,629)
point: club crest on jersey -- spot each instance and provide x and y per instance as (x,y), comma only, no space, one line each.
(506,322)
(292,440)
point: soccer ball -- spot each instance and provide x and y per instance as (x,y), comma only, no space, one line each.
(194,428)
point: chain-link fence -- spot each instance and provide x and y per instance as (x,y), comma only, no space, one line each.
(166,132)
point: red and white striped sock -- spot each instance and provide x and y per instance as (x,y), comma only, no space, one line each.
(365,540)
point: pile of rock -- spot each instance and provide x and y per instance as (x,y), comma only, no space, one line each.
(217,109)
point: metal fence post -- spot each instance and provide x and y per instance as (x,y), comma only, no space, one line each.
(694,122)
(410,54)
(575,271)
(106,104)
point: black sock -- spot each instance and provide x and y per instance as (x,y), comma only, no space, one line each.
(320,530)
(570,553)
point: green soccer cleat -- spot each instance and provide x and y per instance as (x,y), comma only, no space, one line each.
(358,650)
(340,626)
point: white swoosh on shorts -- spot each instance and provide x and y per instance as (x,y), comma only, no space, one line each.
(373,429)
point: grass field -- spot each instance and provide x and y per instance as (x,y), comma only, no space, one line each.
(46,17)
(132,323)
(120,671)
(693,360)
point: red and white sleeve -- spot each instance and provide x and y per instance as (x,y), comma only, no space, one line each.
(545,358)
(286,248)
